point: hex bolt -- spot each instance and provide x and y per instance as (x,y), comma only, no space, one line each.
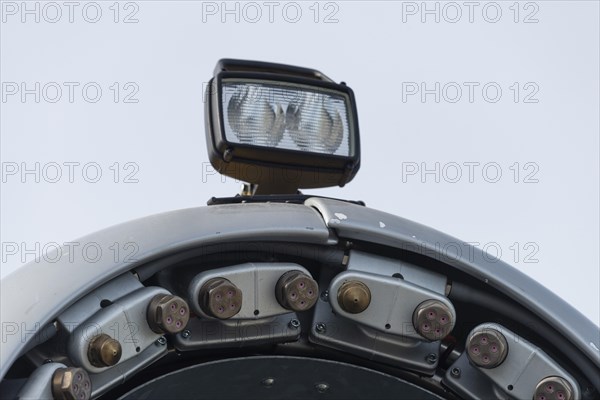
(433,320)
(296,291)
(167,314)
(354,297)
(321,327)
(487,348)
(71,384)
(219,298)
(104,351)
(553,388)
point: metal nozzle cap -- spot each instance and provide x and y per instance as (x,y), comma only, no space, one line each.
(104,351)
(354,297)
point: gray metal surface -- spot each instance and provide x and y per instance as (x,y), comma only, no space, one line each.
(236,333)
(87,306)
(331,330)
(355,222)
(39,384)
(125,370)
(392,305)
(361,261)
(257,282)
(53,286)
(124,320)
(470,383)
(277,377)
(524,366)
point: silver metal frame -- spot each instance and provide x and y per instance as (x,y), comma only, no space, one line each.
(53,287)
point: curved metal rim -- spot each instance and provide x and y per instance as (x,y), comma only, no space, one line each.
(179,230)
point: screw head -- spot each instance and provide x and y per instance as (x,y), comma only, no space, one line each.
(321,327)
(322,387)
(433,320)
(431,358)
(296,291)
(161,341)
(294,324)
(553,388)
(104,351)
(220,298)
(71,384)
(487,348)
(186,334)
(455,372)
(268,382)
(354,297)
(167,314)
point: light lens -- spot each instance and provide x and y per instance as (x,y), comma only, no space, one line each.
(287,116)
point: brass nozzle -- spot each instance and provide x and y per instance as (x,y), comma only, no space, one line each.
(104,351)
(354,297)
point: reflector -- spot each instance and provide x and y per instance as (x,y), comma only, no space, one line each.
(286,116)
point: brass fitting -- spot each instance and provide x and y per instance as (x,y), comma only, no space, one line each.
(220,298)
(553,388)
(167,314)
(487,348)
(104,351)
(296,291)
(71,384)
(354,297)
(433,320)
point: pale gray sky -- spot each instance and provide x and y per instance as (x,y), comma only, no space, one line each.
(483,124)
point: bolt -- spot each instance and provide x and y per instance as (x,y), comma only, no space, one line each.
(321,327)
(433,320)
(455,372)
(71,383)
(296,291)
(322,387)
(294,324)
(104,351)
(220,298)
(228,155)
(354,297)
(268,382)
(553,387)
(487,348)
(588,392)
(325,296)
(161,341)
(167,314)
(431,358)
(186,334)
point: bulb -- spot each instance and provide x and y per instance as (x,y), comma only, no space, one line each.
(315,124)
(253,119)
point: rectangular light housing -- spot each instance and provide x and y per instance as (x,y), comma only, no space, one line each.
(279,125)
